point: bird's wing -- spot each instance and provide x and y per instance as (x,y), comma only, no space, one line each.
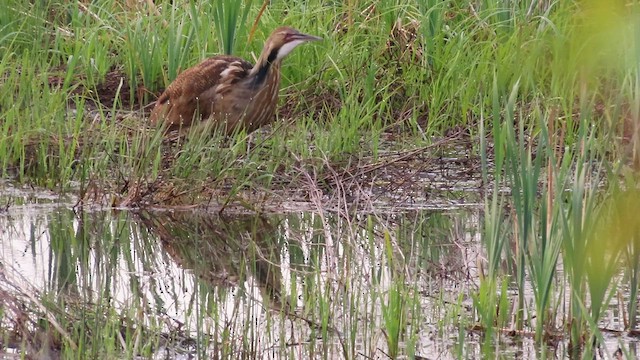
(197,85)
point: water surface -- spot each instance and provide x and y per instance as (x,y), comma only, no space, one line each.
(292,285)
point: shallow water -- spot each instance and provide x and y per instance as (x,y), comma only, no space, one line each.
(294,285)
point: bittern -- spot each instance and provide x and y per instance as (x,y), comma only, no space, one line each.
(228,92)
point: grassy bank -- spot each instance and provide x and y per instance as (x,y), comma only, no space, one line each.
(76,76)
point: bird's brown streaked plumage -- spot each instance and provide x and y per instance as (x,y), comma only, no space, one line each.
(226,91)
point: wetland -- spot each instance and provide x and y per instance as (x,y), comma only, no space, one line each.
(443,180)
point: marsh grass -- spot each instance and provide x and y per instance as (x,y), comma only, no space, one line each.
(358,67)
(549,225)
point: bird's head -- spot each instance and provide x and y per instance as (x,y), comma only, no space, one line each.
(284,39)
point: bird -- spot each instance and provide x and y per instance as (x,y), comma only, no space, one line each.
(226,92)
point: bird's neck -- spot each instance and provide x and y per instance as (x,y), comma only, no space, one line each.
(267,64)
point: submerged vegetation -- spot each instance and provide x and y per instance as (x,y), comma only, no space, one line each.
(537,101)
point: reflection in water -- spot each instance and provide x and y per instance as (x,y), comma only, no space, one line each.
(222,251)
(305,285)
(324,276)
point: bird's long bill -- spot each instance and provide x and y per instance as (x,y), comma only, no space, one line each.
(305,37)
